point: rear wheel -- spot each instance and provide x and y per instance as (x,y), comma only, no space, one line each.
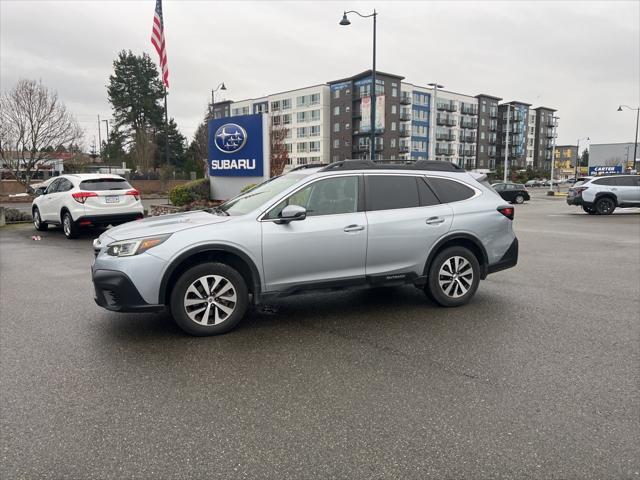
(454,276)
(519,199)
(69,226)
(37,221)
(605,206)
(589,210)
(209,299)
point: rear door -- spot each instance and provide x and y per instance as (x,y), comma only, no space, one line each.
(112,196)
(405,219)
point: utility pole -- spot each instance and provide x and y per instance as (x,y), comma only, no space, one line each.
(433,121)
(99,137)
(553,153)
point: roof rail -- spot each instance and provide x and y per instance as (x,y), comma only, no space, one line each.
(311,165)
(434,165)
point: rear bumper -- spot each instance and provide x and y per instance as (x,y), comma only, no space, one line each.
(508,260)
(115,291)
(113,219)
(576,201)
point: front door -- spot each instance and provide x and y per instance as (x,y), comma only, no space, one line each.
(327,248)
(48,203)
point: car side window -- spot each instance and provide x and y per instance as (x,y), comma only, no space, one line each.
(609,181)
(498,187)
(627,181)
(64,185)
(449,191)
(388,192)
(330,196)
(53,186)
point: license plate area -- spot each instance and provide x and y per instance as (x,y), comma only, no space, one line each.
(112,199)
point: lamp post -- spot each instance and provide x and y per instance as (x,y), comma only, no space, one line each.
(434,108)
(345,22)
(506,145)
(635,146)
(553,154)
(213,96)
(575,174)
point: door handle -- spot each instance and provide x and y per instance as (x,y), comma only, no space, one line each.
(353,228)
(435,220)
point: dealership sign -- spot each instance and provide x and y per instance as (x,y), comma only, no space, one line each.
(605,169)
(236,146)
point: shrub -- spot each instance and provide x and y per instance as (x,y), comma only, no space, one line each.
(246,188)
(13,215)
(189,192)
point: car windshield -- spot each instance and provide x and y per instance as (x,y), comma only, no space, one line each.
(259,195)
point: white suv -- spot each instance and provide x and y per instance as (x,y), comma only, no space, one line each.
(86,200)
(602,195)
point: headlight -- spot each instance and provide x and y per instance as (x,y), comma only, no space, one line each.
(134,246)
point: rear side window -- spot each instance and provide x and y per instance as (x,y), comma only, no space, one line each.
(628,181)
(605,181)
(427,197)
(64,185)
(449,191)
(99,184)
(386,192)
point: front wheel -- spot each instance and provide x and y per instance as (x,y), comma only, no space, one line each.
(37,221)
(209,299)
(605,206)
(454,276)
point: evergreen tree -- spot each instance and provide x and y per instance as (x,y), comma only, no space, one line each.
(177,143)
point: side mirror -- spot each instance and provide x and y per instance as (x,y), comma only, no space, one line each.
(40,191)
(292,213)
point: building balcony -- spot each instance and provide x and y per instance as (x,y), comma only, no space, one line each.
(446,121)
(449,137)
(405,99)
(467,153)
(447,106)
(405,132)
(469,109)
(403,148)
(551,134)
(468,124)
(360,147)
(445,151)
(493,113)
(468,139)
(491,153)
(552,122)
(405,116)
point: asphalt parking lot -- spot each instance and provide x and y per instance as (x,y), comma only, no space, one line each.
(538,377)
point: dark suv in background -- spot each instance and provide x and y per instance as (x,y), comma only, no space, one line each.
(512,192)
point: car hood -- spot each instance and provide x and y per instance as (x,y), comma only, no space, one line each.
(163,224)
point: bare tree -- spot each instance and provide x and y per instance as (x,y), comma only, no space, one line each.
(279,153)
(143,150)
(32,118)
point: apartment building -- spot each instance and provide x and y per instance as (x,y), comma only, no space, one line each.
(332,122)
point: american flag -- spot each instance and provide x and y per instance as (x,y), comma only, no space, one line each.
(157,38)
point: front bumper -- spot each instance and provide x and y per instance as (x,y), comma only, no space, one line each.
(508,260)
(115,291)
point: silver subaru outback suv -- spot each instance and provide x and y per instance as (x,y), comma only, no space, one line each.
(348,224)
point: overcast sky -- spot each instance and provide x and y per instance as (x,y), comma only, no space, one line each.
(582,58)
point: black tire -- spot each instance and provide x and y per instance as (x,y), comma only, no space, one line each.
(589,210)
(605,206)
(519,199)
(69,227)
(438,292)
(227,321)
(37,221)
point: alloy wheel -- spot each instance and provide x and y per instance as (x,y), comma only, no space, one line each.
(455,277)
(36,219)
(210,300)
(66,225)
(605,206)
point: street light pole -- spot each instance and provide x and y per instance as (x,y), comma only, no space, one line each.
(575,174)
(506,145)
(553,154)
(434,110)
(635,146)
(213,96)
(344,22)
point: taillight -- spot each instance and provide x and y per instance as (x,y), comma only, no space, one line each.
(81,197)
(135,193)
(507,212)
(579,190)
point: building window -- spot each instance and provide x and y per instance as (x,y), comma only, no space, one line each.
(336,110)
(286,119)
(276,120)
(336,143)
(481,148)
(347,126)
(315,99)
(286,104)
(484,106)
(314,146)
(336,127)
(394,92)
(302,132)
(481,135)
(336,93)
(301,147)
(314,131)
(482,122)
(393,126)
(315,115)
(275,106)
(347,109)
(394,109)
(393,143)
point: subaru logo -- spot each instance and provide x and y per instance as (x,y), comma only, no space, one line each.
(230,138)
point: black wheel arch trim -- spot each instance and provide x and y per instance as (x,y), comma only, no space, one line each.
(484,261)
(210,247)
(611,195)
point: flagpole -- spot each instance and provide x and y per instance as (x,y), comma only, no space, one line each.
(166,128)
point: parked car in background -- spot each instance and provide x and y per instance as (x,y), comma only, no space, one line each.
(602,195)
(533,183)
(512,192)
(348,224)
(85,200)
